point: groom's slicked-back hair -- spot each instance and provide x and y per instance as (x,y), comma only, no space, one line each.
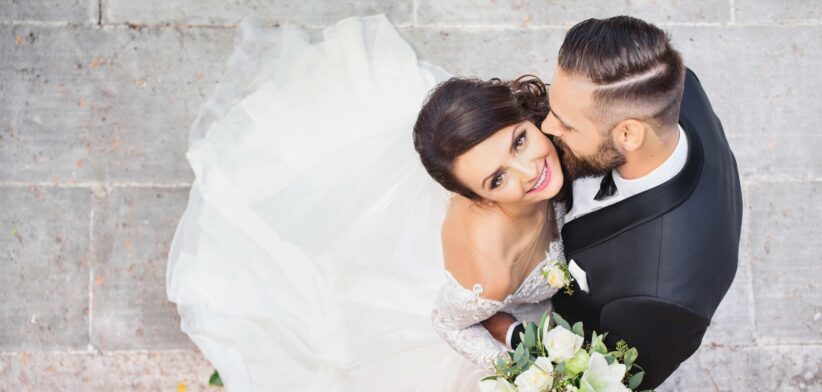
(637,73)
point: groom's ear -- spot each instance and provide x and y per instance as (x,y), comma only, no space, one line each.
(629,134)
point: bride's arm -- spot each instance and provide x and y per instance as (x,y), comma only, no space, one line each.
(459,324)
(459,310)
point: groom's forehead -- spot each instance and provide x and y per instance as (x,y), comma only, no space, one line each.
(568,94)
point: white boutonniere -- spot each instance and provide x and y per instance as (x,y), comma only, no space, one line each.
(558,276)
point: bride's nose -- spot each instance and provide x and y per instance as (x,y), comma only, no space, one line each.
(528,169)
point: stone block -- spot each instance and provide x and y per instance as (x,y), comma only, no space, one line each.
(518,13)
(44,268)
(488,53)
(786,225)
(777,11)
(111,104)
(732,323)
(762,81)
(215,12)
(133,228)
(754,369)
(170,370)
(73,11)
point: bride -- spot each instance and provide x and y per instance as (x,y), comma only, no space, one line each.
(317,253)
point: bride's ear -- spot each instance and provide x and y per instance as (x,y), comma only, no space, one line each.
(629,134)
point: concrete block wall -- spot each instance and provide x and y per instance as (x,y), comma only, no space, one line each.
(96,97)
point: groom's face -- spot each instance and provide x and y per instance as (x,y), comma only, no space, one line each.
(588,150)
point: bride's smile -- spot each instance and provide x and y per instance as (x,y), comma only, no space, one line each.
(543,175)
(515,167)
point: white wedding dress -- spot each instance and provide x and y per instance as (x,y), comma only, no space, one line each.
(308,257)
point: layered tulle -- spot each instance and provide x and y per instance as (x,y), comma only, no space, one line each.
(309,254)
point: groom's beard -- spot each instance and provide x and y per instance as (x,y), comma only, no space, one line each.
(605,159)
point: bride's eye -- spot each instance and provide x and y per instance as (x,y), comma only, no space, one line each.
(497,180)
(521,140)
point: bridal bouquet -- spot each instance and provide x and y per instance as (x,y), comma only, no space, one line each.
(558,360)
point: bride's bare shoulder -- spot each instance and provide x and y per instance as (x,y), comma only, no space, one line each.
(473,249)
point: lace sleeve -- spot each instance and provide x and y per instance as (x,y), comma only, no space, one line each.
(456,318)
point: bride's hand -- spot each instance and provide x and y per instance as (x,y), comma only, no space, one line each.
(498,325)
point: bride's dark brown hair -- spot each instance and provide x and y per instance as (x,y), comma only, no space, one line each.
(462,112)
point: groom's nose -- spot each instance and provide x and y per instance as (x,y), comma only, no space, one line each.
(550,127)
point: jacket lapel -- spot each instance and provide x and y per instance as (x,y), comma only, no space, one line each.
(603,224)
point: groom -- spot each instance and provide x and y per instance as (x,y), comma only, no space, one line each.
(653,232)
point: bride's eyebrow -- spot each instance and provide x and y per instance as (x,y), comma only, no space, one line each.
(510,150)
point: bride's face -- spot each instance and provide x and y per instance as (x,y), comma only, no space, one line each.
(516,165)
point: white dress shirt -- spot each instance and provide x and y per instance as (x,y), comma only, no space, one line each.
(586,188)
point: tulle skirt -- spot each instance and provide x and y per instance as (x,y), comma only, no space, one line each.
(308,257)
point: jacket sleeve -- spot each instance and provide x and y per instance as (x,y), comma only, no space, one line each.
(665,334)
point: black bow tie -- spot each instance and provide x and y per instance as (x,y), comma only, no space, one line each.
(607,187)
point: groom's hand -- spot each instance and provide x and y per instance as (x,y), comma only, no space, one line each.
(498,325)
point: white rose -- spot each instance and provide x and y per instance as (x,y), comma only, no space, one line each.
(601,377)
(497,385)
(555,276)
(561,343)
(537,378)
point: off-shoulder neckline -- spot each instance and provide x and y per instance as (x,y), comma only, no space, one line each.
(473,290)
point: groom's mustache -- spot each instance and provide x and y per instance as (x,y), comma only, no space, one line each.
(605,159)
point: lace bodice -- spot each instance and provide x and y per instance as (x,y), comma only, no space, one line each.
(458,311)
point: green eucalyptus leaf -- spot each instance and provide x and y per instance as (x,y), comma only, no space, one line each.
(635,380)
(494,377)
(519,353)
(597,346)
(561,321)
(215,379)
(609,358)
(542,322)
(577,329)
(523,362)
(500,364)
(630,357)
(530,335)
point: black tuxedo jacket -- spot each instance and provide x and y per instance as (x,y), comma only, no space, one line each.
(659,262)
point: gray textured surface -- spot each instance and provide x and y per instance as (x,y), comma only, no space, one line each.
(132,232)
(773,368)
(96,97)
(785,249)
(114,371)
(778,11)
(520,13)
(217,12)
(44,268)
(85,103)
(71,11)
